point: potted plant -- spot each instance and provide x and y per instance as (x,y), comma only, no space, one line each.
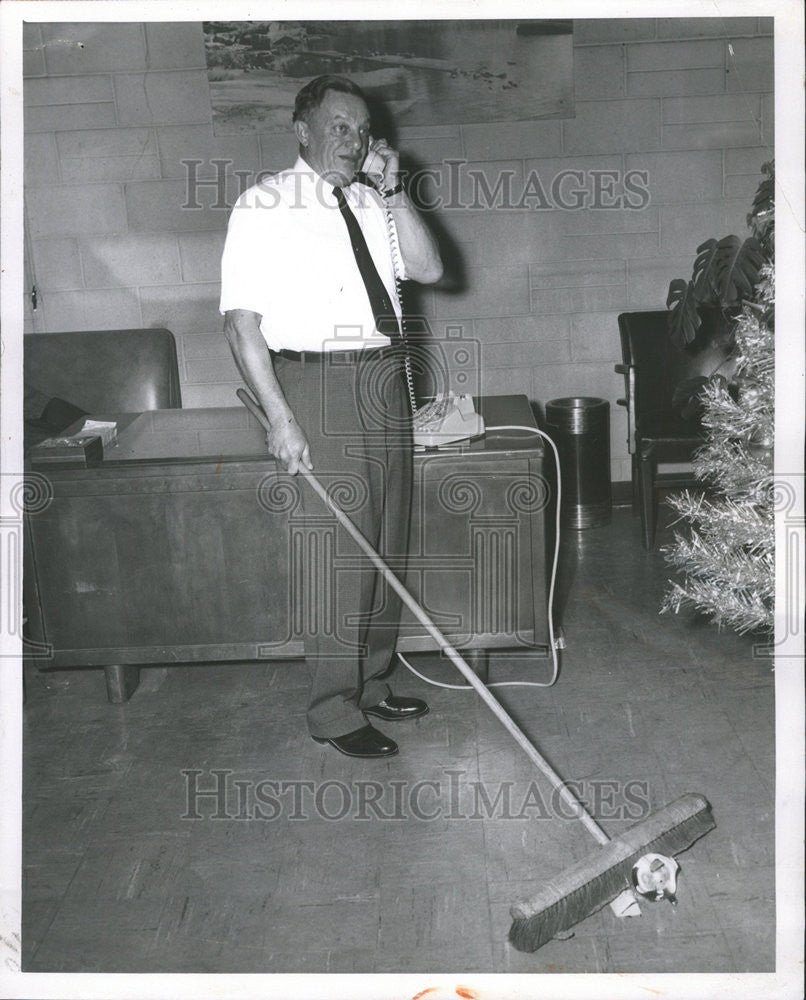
(725,273)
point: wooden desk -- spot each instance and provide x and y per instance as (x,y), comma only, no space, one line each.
(179,547)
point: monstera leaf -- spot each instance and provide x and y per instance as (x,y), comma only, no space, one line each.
(684,320)
(737,265)
(762,212)
(705,270)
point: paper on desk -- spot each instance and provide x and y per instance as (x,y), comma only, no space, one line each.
(107,430)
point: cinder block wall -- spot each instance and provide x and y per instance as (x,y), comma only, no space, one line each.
(113,110)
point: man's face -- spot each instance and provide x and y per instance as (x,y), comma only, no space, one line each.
(334,140)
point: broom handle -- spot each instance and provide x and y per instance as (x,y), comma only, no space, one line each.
(557,782)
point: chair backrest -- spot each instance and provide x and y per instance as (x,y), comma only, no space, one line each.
(659,365)
(106,371)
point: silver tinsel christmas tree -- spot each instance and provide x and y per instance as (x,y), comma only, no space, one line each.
(727,555)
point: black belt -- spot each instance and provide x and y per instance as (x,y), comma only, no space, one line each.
(312,356)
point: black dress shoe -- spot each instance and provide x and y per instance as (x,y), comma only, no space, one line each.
(364,742)
(393,709)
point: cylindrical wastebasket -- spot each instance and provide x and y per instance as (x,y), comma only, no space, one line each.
(580,427)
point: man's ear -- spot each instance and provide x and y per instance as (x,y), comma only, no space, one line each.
(301,129)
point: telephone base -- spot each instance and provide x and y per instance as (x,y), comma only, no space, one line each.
(446,420)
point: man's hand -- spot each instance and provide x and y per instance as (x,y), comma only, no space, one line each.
(288,444)
(391,159)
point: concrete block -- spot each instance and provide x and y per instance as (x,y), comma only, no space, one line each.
(685,227)
(69,117)
(109,168)
(181,144)
(522,355)
(57,265)
(502,239)
(506,140)
(768,122)
(595,337)
(615,29)
(701,27)
(219,370)
(490,291)
(595,222)
(746,161)
(93,47)
(175,45)
(574,274)
(717,108)
(163,206)
(68,90)
(648,279)
(598,72)
(480,186)
(507,381)
(82,209)
(533,330)
(613,126)
(612,246)
(694,175)
(659,56)
(107,309)
(206,394)
(182,97)
(127,260)
(278,150)
(671,83)
(41,159)
(183,309)
(424,145)
(717,135)
(205,346)
(200,255)
(742,186)
(107,142)
(750,67)
(579,299)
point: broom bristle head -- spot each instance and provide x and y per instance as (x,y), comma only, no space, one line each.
(593,882)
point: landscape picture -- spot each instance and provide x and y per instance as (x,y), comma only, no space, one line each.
(419,72)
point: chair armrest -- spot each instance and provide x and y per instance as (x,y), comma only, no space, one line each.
(628,371)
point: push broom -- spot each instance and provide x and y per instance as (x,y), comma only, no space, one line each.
(592,883)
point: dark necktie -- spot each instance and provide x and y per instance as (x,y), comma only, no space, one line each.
(381,304)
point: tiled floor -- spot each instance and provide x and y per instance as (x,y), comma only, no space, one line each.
(401,865)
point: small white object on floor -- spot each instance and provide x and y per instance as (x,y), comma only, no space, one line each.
(655,877)
(626,905)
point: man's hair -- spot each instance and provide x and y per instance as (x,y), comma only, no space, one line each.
(313,93)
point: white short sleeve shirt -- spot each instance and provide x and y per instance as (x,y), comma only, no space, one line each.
(288,258)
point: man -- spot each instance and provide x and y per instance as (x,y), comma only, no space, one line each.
(309,296)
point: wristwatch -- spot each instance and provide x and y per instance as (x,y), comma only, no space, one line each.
(388,192)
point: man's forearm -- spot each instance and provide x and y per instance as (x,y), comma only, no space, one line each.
(242,329)
(418,246)
(285,438)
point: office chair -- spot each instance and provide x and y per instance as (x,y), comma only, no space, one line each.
(656,431)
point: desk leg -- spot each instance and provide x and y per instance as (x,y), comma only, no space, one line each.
(121,682)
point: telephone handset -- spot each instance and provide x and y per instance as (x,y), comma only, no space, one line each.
(447,418)
(373,166)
